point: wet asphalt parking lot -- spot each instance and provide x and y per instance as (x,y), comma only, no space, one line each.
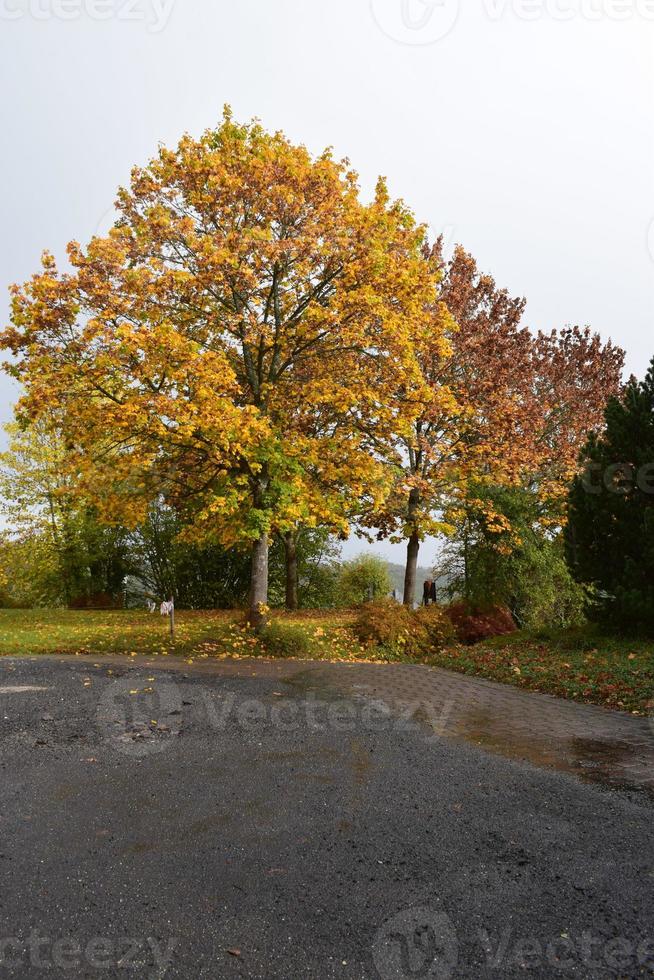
(259,822)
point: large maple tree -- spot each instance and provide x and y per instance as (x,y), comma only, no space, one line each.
(222,345)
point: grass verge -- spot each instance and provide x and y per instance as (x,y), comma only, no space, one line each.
(214,633)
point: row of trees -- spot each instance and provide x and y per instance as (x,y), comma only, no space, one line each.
(597,562)
(266,353)
(57,553)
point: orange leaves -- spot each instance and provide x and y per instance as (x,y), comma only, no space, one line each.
(244,338)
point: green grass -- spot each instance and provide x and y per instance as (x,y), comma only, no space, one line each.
(579,664)
(214,633)
(582,665)
(38,631)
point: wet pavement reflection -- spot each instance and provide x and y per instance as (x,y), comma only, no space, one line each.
(594,744)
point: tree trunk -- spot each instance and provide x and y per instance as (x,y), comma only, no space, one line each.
(412,549)
(290,551)
(257,616)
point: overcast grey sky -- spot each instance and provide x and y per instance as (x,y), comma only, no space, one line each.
(522,129)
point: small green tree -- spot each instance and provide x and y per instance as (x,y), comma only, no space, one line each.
(363,579)
(610,535)
(199,576)
(79,559)
(505,552)
(30,575)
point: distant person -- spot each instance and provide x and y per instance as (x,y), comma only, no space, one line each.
(426,592)
(432,592)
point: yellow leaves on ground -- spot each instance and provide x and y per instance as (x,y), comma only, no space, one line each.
(199,636)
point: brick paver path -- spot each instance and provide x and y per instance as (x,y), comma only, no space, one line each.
(594,743)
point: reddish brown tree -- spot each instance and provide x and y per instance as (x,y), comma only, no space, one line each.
(520,409)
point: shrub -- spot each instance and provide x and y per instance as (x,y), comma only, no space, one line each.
(473,625)
(401,630)
(285,640)
(439,627)
(382,623)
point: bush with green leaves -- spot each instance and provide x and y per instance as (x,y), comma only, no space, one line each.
(286,640)
(363,579)
(508,552)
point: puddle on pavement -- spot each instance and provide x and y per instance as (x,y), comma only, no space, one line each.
(601,761)
(314,682)
(609,762)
